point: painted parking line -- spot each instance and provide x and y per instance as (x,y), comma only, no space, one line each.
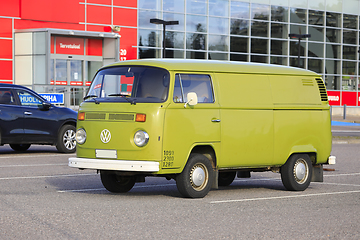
(345,131)
(341,174)
(35,155)
(34,165)
(284,197)
(101,189)
(51,176)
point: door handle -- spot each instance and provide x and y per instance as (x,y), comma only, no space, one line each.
(215,120)
(28,113)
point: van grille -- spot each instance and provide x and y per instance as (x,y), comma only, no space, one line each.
(121,117)
(95,116)
(110,116)
(322,89)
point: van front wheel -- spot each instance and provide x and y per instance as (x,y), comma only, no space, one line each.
(115,183)
(296,172)
(196,179)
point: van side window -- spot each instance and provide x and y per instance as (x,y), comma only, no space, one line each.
(198,83)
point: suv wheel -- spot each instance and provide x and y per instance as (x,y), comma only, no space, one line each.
(20,147)
(66,142)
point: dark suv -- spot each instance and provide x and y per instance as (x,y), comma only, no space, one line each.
(27,118)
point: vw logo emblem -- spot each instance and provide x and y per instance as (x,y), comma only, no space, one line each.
(105,136)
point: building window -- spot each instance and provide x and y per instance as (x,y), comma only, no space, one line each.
(298,15)
(333,19)
(239,44)
(279,14)
(259,45)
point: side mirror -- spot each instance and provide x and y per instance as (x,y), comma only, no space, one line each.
(129,74)
(192,99)
(46,105)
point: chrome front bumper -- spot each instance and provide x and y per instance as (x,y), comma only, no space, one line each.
(119,165)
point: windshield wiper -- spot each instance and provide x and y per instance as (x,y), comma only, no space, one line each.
(92,96)
(132,102)
(118,95)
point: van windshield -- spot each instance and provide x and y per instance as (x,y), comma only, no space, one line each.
(130,83)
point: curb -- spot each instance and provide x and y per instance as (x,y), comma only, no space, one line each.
(346,141)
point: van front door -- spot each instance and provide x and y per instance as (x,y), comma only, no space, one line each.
(185,125)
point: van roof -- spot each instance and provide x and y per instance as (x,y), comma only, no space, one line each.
(197,65)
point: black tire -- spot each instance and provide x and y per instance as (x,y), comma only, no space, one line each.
(66,142)
(226,178)
(196,179)
(115,183)
(20,147)
(296,172)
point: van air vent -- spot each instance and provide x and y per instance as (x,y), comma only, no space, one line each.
(95,116)
(121,117)
(322,89)
(307,82)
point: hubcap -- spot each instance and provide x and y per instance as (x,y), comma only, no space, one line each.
(301,171)
(199,177)
(69,139)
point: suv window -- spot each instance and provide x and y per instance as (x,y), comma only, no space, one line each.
(198,83)
(6,97)
(28,99)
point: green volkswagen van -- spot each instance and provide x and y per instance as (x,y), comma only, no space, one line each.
(203,123)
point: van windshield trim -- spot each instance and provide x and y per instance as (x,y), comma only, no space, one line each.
(133,84)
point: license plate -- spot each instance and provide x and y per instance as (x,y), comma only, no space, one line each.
(106,153)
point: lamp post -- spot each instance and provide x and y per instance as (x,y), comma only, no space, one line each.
(164,23)
(299,36)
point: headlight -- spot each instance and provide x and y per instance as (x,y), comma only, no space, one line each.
(141,138)
(80,136)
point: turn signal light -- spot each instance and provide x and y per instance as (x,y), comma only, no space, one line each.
(81,116)
(140,117)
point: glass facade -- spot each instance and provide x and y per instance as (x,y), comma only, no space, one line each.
(258,31)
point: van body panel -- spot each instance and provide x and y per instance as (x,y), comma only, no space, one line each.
(294,90)
(246,111)
(301,131)
(122,131)
(247,138)
(186,127)
(244,91)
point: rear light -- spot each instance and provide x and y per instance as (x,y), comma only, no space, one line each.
(81,116)
(140,117)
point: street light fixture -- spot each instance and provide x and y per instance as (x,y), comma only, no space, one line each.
(299,36)
(164,23)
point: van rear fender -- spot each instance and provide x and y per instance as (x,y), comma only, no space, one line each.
(312,155)
(305,149)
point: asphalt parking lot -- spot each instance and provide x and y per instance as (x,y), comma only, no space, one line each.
(42,198)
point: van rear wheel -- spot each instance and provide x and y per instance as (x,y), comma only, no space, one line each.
(296,172)
(226,178)
(116,183)
(196,179)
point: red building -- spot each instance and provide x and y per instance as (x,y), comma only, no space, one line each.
(56,46)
